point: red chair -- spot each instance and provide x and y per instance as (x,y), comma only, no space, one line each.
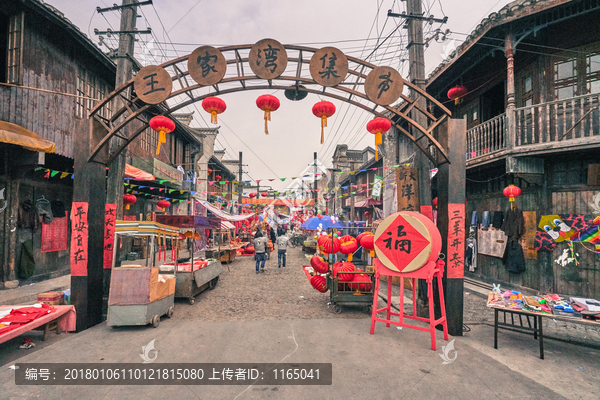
(428,272)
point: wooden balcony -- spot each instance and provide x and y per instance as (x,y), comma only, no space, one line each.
(562,125)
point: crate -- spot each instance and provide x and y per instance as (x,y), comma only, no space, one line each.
(51,298)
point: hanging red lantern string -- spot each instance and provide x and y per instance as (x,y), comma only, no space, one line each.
(511,192)
(267,103)
(378,126)
(323,110)
(163,204)
(264,194)
(129,199)
(162,125)
(214,106)
(457,93)
(252,195)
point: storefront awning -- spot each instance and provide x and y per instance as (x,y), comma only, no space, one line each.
(137,174)
(222,214)
(15,134)
(227,225)
(368,202)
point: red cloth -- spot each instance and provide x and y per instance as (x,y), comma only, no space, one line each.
(65,313)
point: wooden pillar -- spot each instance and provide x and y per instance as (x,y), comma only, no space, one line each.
(10,231)
(510,90)
(451,190)
(89,186)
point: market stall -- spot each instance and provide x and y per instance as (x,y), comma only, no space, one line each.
(140,295)
(198,274)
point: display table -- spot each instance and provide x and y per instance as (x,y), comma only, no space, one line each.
(66,321)
(526,317)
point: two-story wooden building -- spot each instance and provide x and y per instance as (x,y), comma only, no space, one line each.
(529,76)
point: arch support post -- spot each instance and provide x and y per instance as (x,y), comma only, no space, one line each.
(451,219)
(89,186)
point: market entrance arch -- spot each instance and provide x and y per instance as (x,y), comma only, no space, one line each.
(267,65)
(233,70)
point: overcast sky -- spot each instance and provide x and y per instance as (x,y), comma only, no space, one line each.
(353,26)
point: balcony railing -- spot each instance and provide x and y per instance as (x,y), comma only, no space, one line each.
(561,120)
(487,138)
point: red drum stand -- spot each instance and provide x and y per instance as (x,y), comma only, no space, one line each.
(428,272)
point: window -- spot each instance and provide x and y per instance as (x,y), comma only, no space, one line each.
(146,140)
(90,93)
(593,73)
(80,92)
(187,156)
(15,45)
(565,78)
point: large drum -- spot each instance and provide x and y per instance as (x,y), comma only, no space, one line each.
(406,241)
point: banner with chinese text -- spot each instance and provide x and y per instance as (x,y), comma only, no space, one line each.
(408,189)
(456,241)
(79,239)
(109,234)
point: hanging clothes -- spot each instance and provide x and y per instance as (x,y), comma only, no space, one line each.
(58,209)
(485,222)
(471,254)
(44,210)
(27,263)
(474,220)
(498,219)
(26,217)
(514,228)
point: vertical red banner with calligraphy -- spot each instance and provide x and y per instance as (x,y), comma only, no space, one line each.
(456,241)
(55,235)
(79,239)
(427,211)
(109,234)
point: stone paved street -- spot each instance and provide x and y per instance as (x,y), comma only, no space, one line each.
(278,293)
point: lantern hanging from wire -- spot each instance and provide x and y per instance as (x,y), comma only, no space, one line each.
(163,204)
(323,110)
(267,103)
(252,195)
(162,125)
(511,191)
(457,93)
(377,127)
(129,199)
(214,106)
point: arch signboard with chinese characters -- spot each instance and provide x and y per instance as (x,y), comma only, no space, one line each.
(210,71)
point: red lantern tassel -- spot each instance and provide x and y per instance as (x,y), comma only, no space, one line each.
(267,118)
(378,141)
(323,125)
(213,117)
(162,138)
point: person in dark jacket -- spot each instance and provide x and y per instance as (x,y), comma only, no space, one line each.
(514,228)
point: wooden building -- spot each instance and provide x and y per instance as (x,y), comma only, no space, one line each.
(532,78)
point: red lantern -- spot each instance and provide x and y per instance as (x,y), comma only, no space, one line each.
(457,93)
(319,283)
(434,202)
(511,192)
(348,245)
(368,243)
(214,106)
(362,235)
(264,194)
(129,199)
(344,267)
(319,264)
(249,250)
(252,195)
(267,103)
(377,127)
(162,125)
(163,204)
(328,244)
(218,177)
(323,110)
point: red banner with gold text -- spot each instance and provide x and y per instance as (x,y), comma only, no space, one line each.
(79,239)
(456,241)
(109,234)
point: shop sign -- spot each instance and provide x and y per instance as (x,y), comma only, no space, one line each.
(377,187)
(109,234)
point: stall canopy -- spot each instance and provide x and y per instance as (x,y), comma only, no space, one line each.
(15,134)
(137,174)
(222,214)
(368,202)
(141,228)
(227,225)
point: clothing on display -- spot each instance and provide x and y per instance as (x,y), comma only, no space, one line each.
(485,222)
(498,219)
(471,254)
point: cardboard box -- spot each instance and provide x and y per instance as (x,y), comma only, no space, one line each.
(160,290)
(51,298)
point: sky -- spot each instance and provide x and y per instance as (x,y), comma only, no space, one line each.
(357,27)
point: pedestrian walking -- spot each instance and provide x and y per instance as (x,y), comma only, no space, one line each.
(282,242)
(273,235)
(260,248)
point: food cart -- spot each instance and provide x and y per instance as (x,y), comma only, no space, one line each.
(198,274)
(139,295)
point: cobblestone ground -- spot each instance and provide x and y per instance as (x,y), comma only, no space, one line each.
(278,293)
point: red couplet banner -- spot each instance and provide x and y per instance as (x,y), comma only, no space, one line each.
(427,211)
(79,239)
(55,235)
(109,234)
(456,241)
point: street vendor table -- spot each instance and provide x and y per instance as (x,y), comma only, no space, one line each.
(66,321)
(518,325)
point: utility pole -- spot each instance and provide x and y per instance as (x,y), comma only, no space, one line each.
(240,185)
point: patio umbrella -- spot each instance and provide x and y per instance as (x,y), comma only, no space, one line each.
(313,223)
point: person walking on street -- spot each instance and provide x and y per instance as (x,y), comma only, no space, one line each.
(273,235)
(282,242)
(260,248)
